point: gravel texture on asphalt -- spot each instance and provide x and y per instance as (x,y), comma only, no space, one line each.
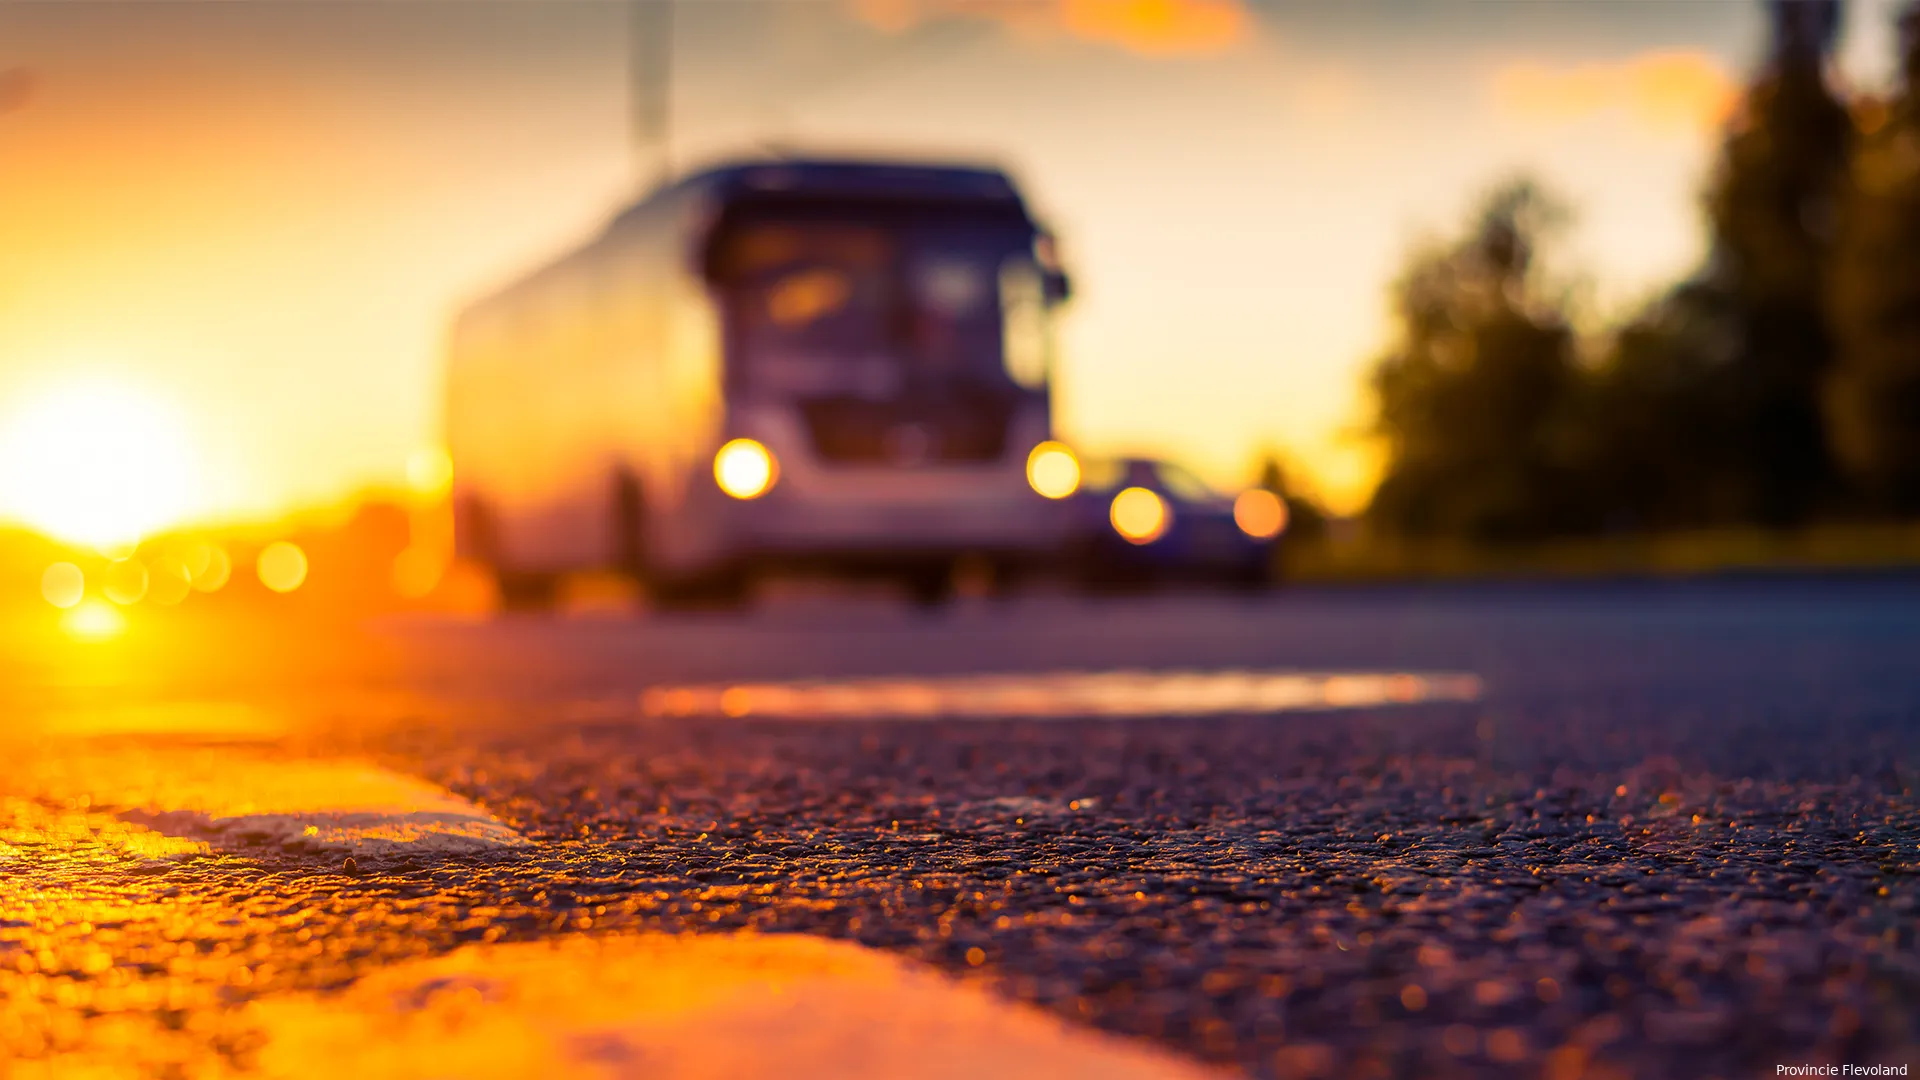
(1676,838)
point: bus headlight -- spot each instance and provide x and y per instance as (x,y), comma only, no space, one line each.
(1260,513)
(745,469)
(1053,470)
(1139,515)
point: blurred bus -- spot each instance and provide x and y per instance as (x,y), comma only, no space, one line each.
(812,364)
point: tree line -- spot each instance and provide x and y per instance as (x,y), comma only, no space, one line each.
(1779,385)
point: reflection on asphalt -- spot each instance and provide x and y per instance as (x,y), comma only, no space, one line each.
(226,720)
(1060,695)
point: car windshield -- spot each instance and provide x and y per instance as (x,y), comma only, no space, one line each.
(1184,485)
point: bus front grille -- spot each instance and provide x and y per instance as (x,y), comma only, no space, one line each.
(858,431)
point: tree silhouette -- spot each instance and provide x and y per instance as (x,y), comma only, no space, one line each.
(1775,205)
(1306,518)
(1472,398)
(1873,399)
(1662,423)
(1726,401)
(1706,410)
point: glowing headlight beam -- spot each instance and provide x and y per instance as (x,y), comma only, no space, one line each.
(1140,516)
(745,469)
(1053,471)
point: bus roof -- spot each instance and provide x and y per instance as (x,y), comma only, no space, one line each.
(839,179)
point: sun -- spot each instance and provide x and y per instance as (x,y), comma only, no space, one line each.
(97,461)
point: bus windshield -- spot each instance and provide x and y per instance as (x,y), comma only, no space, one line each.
(846,307)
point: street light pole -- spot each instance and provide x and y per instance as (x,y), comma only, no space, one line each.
(650,88)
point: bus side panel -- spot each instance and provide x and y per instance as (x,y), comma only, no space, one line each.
(523,426)
(483,451)
(670,395)
(549,523)
(687,534)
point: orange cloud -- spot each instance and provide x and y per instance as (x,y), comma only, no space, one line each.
(1147,27)
(1666,91)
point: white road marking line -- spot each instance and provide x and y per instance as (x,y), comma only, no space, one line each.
(1060,695)
(684,1008)
(236,797)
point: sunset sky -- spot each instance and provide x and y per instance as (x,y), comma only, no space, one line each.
(265,214)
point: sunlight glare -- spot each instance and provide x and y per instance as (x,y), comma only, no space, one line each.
(97,462)
(93,621)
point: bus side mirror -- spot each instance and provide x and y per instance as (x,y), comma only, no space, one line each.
(1056,285)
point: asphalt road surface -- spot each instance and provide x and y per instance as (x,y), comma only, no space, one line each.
(1620,830)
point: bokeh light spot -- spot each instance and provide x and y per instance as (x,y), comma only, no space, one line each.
(416,571)
(196,557)
(1139,515)
(1053,470)
(169,580)
(1260,513)
(126,581)
(282,566)
(213,576)
(63,584)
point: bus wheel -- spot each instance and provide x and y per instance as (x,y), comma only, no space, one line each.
(930,586)
(629,517)
(1252,577)
(1250,584)
(725,588)
(522,591)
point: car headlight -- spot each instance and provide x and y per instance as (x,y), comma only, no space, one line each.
(1053,470)
(745,469)
(1139,515)
(1260,513)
